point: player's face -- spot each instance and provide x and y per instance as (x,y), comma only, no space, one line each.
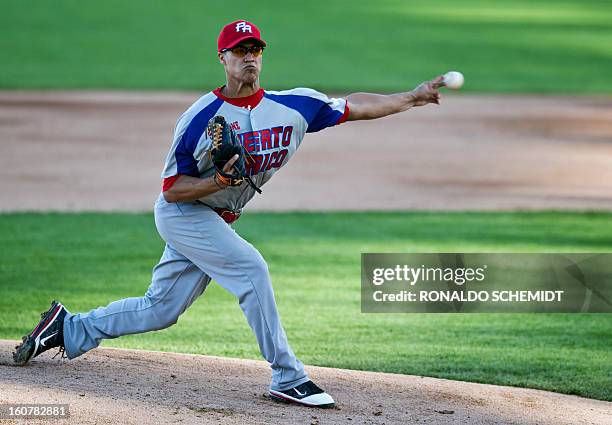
(243,62)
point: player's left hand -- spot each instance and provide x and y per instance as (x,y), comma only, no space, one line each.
(427,92)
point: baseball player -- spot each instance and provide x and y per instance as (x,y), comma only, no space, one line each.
(197,205)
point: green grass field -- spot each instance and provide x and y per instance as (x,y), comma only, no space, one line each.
(87,260)
(545,46)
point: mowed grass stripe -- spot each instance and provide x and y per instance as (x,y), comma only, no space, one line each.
(88,260)
(390,45)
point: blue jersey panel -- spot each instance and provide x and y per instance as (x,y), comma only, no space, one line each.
(317,113)
(186,163)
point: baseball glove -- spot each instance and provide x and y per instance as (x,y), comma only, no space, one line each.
(225,145)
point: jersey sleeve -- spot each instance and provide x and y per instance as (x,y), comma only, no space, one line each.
(317,109)
(325,111)
(189,142)
(180,158)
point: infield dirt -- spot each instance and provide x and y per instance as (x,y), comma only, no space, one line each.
(102,151)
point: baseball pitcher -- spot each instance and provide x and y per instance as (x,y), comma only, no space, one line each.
(226,146)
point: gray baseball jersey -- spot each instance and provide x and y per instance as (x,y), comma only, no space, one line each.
(270,125)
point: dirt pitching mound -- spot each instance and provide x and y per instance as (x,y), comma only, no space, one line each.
(113,386)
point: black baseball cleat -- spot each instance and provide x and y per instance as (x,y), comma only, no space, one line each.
(47,334)
(307,394)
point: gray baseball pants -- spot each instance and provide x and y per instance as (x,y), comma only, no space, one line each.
(200,246)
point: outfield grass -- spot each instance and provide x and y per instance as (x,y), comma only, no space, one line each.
(512,46)
(87,260)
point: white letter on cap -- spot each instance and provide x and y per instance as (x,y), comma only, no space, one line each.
(244,27)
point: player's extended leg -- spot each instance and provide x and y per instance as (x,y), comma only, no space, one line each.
(202,236)
(175,285)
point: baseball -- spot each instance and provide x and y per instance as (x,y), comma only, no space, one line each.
(453,80)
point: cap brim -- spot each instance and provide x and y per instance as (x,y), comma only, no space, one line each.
(246,37)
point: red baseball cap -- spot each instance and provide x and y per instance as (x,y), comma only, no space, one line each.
(237,31)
